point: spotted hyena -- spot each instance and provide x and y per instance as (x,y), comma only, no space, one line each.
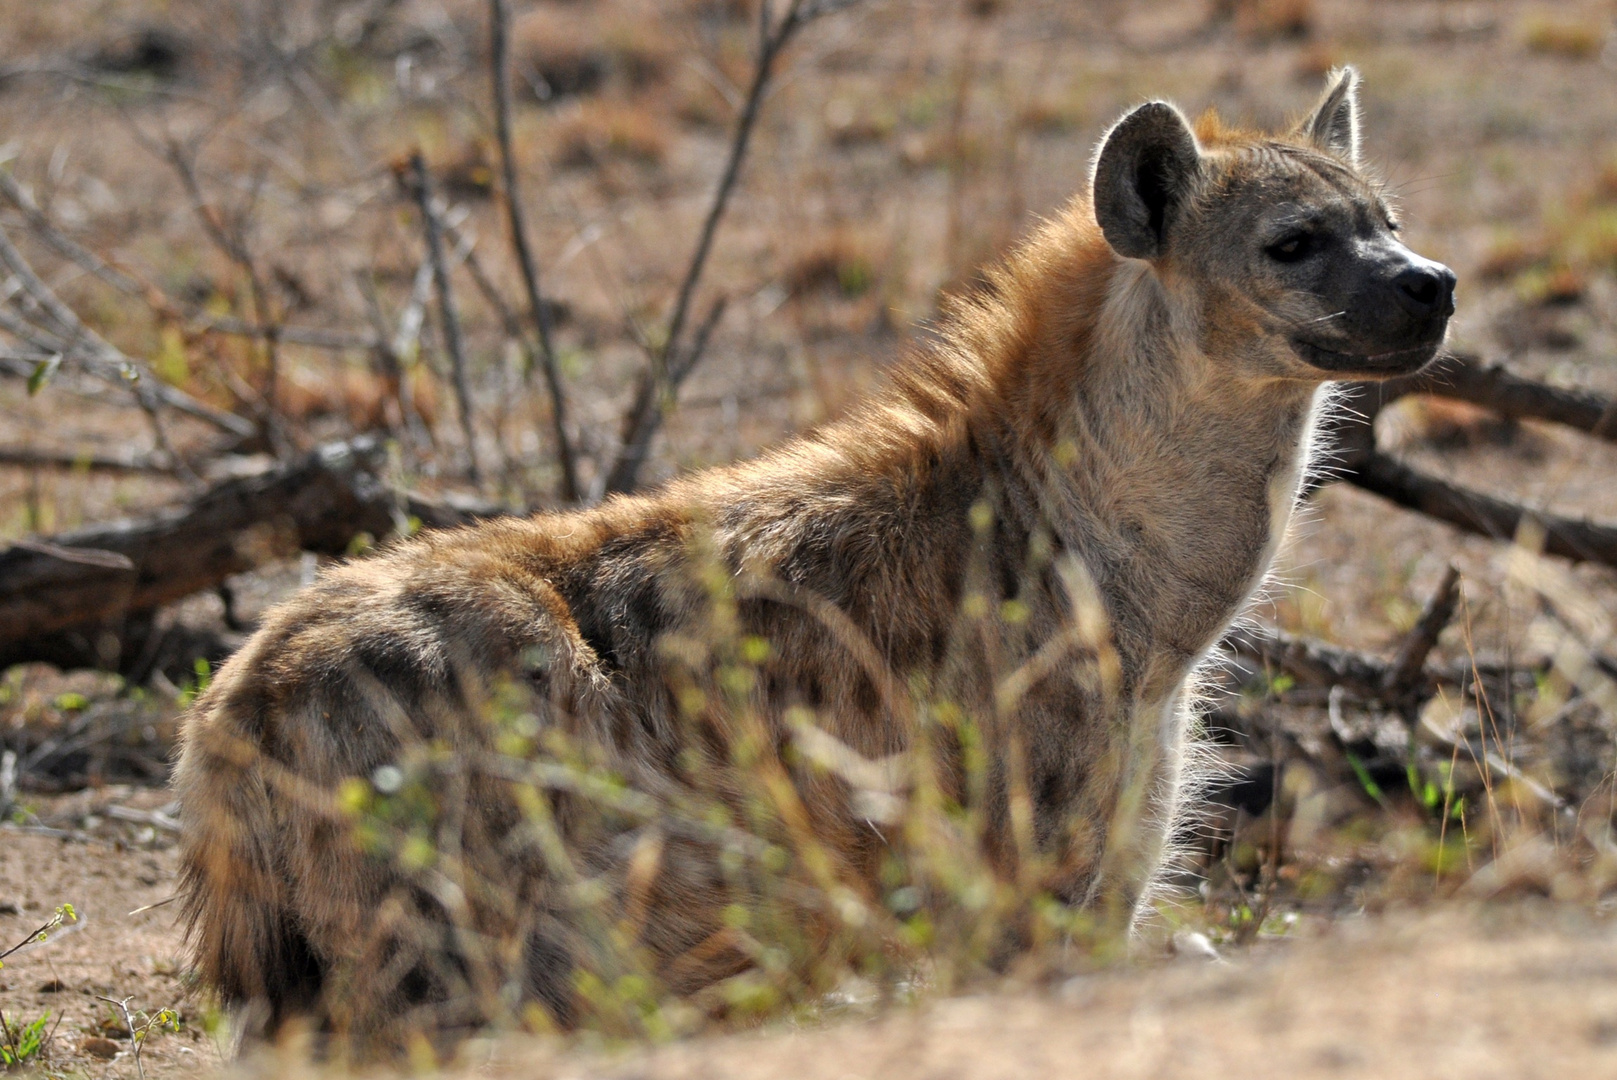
(1048,517)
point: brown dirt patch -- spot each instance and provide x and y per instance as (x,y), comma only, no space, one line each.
(110,952)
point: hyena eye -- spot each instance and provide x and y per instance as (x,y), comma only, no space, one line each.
(1292,247)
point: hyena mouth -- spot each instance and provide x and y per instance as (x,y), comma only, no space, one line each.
(1396,362)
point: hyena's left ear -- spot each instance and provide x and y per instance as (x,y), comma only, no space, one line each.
(1146,170)
(1333,126)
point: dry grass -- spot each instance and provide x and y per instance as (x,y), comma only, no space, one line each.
(1569,38)
(603,132)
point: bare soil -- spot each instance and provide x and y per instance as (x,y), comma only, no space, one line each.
(106,871)
(1502,995)
(1513,992)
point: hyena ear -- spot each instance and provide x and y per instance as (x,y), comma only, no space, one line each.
(1334,124)
(1146,169)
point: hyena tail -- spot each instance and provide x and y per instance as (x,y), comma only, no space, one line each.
(245,937)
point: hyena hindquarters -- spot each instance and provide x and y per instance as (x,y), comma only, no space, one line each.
(291,912)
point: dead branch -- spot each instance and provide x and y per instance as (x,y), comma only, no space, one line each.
(1313,664)
(1410,660)
(53,329)
(130,567)
(500,21)
(93,461)
(1317,667)
(1486,515)
(1352,429)
(432,226)
(1496,388)
(64,245)
(308,336)
(659,385)
(58,594)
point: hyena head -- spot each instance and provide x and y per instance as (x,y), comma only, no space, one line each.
(1280,248)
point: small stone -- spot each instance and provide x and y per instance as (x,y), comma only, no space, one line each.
(9,907)
(52,986)
(96,1046)
(1194,944)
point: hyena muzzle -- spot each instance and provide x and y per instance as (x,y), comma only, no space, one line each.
(1047,520)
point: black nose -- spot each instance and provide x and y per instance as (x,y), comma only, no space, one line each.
(1425,290)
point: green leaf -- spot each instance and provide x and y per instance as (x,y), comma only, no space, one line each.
(1371,788)
(42,373)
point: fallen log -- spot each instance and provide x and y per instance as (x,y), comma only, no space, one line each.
(70,597)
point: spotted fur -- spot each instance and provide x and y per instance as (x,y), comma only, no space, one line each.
(1048,517)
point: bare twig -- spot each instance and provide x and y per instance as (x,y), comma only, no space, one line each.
(64,245)
(41,934)
(1410,661)
(232,241)
(311,337)
(1492,386)
(500,21)
(57,330)
(432,226)
(88,460)
(138,1033)
(646,414)
(155,298)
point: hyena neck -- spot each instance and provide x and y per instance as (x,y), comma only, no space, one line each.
(1171,478)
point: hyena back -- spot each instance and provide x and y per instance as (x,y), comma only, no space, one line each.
(1049,518)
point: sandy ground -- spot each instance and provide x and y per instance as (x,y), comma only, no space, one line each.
(1515,992)
(1512,995)
(111,952)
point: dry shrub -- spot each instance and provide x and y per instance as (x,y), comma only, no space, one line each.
(839,263)
(366,400)
(850,124)
(1271,20)
(608,131)
(518,822)
(556,58)
(1568,39)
